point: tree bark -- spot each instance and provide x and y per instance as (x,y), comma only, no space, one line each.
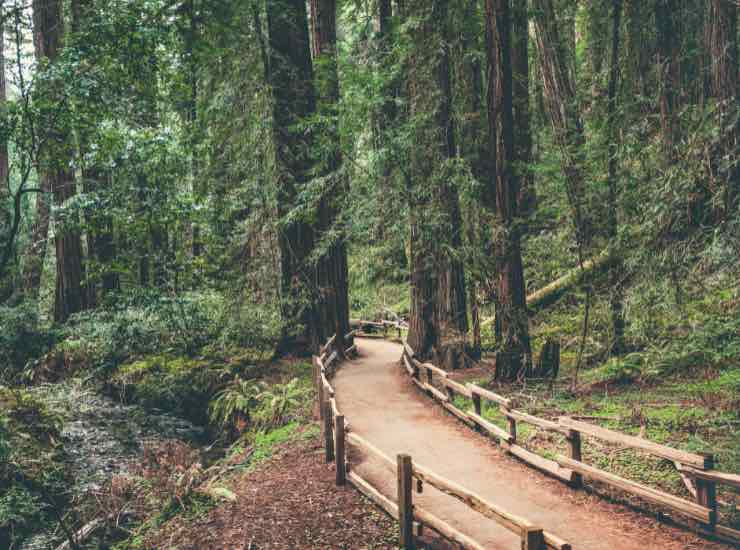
(564,113)
(615,270)
(70,297)
(438,327)
(514,358)
(294,101)
(332,268)
(722,51)
(527,197)
(5,199)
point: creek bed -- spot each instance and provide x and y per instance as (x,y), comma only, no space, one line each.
(102,437)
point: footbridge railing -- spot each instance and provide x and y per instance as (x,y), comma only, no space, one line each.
(696,469)
(340,443)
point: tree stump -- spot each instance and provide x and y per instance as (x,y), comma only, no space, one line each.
(548,362)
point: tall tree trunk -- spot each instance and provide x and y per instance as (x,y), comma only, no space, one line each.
(291,80)
(669,74)
(438,327)
(473,147)
(5,198)
(722,51)
(564,114)
(332,269)
(70,297)
(615,270)
(385,117)
(99,232)
(515,356)
(527,197)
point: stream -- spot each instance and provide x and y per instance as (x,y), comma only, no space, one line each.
(102,436)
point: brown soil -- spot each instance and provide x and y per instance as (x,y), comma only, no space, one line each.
(289,502)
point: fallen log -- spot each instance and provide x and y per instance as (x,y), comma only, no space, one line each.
(549,294)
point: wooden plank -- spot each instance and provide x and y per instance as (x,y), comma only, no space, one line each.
(405,502)
(669,453)
(328,344)
(540,462)
(490,427)
(373,494)
(327,386)
(368,447)
(574,450)
(476,502)
(350,334)
(438,395)
(435,369)
(351,350)
(334,407)
(711,475)
(496,398)
(534,420)
(331,359)
(409,367)
(649,494)
(452,409)
(461,389)
(446,530)
(553,542)
(409,350)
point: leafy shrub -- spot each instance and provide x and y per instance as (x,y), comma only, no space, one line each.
(246,404)
(232,407)
(21,339)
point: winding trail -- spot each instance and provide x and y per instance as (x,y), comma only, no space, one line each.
(382,405)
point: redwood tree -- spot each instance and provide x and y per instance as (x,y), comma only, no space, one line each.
(721,47)
(49,37)
(293,102)
(332,270)
(515,355)
(438,325)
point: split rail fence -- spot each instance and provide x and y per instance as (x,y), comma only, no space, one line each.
(411,476)
(571,469)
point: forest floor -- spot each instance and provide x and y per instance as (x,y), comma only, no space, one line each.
(289,501)
(382,406)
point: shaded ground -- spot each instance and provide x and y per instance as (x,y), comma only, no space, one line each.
(289,502)
(383,406)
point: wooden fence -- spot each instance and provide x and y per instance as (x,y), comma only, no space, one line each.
(411,476)
(571,468)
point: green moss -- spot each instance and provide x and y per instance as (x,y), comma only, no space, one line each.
(178,384)
(32,460)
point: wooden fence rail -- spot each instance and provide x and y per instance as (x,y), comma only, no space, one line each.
(337,437)
(571,469)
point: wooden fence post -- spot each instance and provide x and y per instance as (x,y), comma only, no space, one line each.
(533,539)
(405,503)
(339,449)
(574,451)
(512,425)
(328,436)
(320,392)
(706,492)
(478,408)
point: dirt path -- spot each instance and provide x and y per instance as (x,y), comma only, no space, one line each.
(383,406)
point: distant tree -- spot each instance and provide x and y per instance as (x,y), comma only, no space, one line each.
(56,165)
(721,48)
